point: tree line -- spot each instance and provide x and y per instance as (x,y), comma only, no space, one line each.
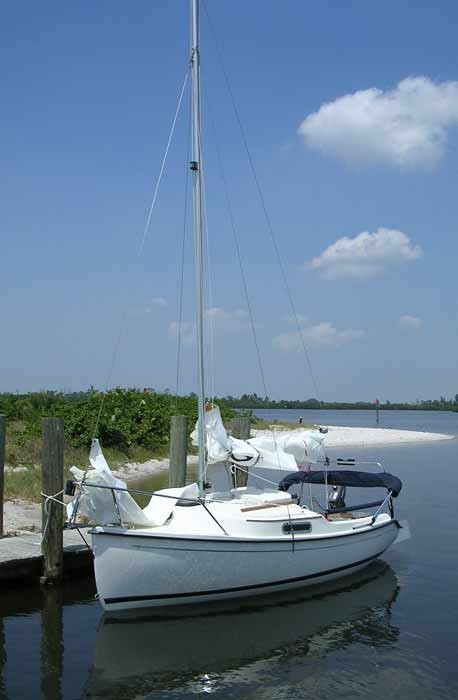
(252,401)
(119,418)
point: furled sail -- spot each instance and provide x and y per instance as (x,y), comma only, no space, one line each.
(305,446)
(288,450)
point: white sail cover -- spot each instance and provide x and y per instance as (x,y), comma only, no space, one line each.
(98,505)
(218,442)
(295,449)
(305,446)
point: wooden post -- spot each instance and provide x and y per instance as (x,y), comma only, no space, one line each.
(52,480)
(2,467)
(235,426)
(241,429)
(178,451)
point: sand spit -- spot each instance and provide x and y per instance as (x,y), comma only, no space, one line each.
(342,436)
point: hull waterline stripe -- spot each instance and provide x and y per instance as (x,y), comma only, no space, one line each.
(219,591)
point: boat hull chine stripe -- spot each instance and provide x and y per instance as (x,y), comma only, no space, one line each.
(255,586)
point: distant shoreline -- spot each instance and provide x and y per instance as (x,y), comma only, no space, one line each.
(436,407)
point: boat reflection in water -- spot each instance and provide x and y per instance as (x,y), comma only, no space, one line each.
(169,651)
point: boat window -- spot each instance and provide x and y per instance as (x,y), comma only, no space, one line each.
(297,527)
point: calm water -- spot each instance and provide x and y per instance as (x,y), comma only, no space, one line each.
(389,631)
(428,421)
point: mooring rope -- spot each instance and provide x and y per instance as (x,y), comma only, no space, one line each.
(48,498)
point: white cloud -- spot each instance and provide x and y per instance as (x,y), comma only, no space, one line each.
(299,319)
(158,301)
(188,331)
(224,319)
(216,313)
(405,127)
(321,334)
(155,301)
(410,322)
(365,255)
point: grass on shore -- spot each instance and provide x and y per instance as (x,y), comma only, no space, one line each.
(23,462)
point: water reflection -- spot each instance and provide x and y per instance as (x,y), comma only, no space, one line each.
(52,642)
(33,638)
(2,659)
(135,656)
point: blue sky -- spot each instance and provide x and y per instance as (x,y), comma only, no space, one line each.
(89,90)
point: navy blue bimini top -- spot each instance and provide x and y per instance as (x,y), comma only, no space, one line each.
(343,477)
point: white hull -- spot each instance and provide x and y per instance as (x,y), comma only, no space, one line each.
(144,569)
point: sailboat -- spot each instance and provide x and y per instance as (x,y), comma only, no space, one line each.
(194,545)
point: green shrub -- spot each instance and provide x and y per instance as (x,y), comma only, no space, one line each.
(120,418)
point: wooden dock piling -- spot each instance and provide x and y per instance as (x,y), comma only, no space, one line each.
(178,451)
(241,429)
(2,467)
(52,485)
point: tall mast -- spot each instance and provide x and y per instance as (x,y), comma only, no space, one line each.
(196,168)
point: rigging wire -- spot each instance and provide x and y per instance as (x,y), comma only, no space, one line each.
(263,204)
(242,274)
(164,159)
(269,224)
(210,313)
(183,250)
(123,315)
(239,258)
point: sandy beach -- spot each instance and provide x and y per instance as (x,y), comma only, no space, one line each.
(341,436)
(22,516)
(137,470)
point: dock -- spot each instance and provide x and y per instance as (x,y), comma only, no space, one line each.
(21,560)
